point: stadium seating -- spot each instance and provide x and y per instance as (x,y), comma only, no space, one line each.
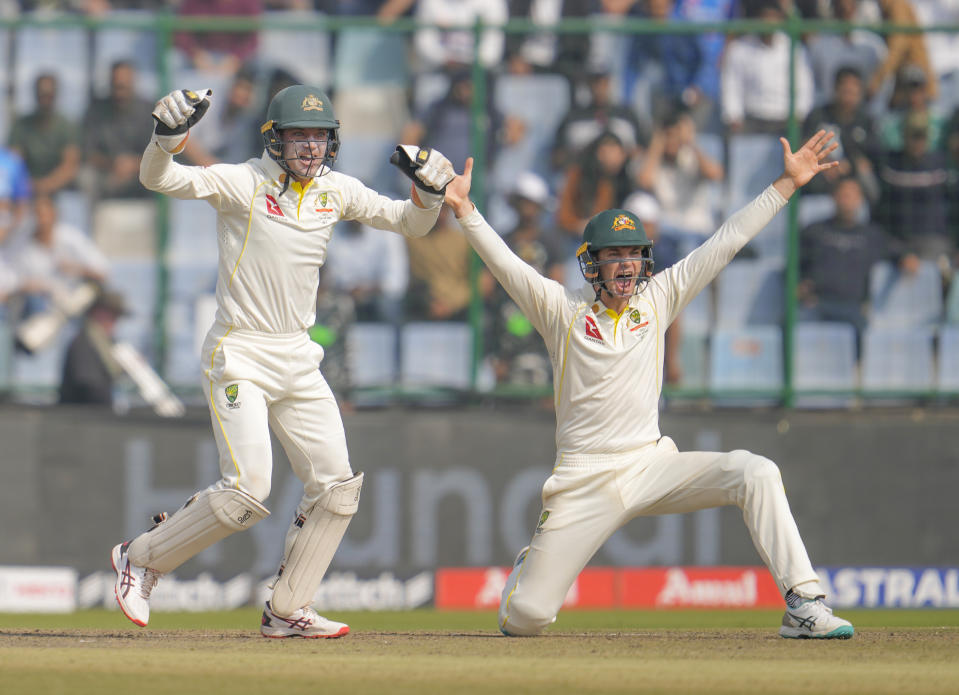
(897,358)
(371,354)
(136,280)
(947,368)
(750,292)
(436,355)
(899,300)
(746,358)
(952,303)
(824,359)
(37,376)
(6,352)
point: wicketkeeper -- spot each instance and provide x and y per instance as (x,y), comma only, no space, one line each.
(275,216)
(612,463)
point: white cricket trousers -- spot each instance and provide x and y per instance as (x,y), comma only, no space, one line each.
(590,497)
(258,381)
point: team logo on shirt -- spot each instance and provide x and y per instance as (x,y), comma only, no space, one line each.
(273,207)
(592,330)
(323,200)
(640,323)
(232,391)
(621,222)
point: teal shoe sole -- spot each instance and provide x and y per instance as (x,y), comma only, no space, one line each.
(844,632)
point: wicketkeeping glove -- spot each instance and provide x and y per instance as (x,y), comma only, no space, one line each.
(429,169)
(178,111)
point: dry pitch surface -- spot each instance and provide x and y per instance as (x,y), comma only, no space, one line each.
(428,652)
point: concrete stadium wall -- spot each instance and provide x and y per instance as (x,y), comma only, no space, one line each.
(461,487)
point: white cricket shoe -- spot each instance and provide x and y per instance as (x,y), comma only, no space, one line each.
(814,619)
(133,586)
(304,623)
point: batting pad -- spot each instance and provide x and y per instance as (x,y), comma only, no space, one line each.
(313,547)
(208,516)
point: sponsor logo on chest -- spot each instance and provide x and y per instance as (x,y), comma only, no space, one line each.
(273,207)
(592,331)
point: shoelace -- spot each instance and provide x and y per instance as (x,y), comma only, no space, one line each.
(150,579)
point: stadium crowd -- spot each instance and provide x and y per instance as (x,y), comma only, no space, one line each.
(677,127)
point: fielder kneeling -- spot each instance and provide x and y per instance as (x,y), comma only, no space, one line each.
(607,344)
(275,215)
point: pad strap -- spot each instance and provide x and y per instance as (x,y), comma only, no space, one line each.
(207,517)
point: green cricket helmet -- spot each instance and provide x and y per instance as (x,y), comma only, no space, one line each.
(611,228)
(300,106)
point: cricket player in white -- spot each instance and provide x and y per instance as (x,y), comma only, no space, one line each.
(612,464)
(275,216)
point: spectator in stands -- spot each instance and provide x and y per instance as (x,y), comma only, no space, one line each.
(835,257)
(679,173)
(516,350)
(446,124)
(755,81)
(904,48)
(115,130)
(911,96)
(830,52)
(915,202)
(661,69)
(48,142)
(544,50)
(377,284)
(859,147)
(583,124)
(56,259)
(439,288)
(438,48)
(597,181)
(218,53)
(231,133)
(89,370)
(702,97)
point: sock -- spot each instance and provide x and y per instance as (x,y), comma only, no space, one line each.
(794,600)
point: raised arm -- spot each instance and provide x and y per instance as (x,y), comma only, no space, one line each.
(539,298)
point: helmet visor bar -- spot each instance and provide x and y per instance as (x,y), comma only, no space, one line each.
(628,281)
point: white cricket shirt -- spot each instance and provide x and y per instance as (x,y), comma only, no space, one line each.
(608,368)
(271,246)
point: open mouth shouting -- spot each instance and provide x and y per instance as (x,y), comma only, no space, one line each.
(623,283)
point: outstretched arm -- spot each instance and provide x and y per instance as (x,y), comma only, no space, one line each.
(800,166)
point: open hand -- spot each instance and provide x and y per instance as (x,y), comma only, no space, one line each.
(458,191)
(800,166)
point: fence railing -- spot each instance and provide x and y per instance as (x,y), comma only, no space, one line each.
(163,26)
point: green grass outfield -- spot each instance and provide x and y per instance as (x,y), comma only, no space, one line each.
(674,652)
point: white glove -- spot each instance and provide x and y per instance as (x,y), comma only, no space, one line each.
(176,113)
(429,169)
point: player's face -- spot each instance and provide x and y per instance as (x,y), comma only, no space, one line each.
(304,149)
(620,269)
